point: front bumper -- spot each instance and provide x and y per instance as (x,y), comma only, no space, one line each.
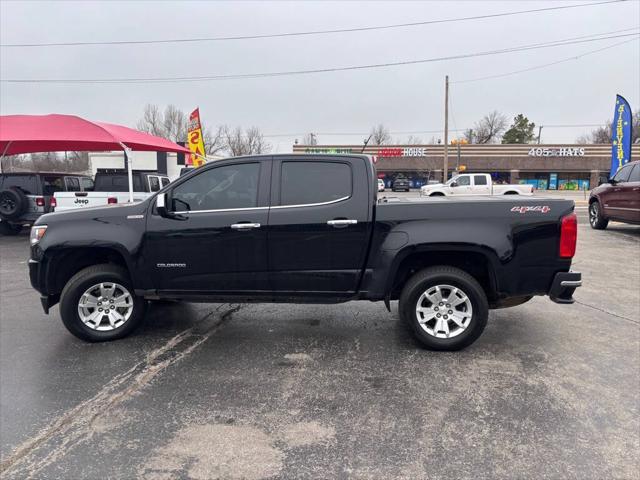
(563,286)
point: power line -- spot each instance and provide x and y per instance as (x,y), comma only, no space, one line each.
(535,46)
(409,132)
(311,32)
(544,65)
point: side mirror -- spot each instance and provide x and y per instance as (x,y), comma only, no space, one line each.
(612,181)
(454,184)
(161,205)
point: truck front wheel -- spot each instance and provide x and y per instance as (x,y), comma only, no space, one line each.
(98,304)
(445,307)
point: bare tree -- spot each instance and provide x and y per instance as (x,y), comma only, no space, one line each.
(413,140)
(172,125)
(310,139)
(469,135)
(380,135)
(489,129)
(238,142)
(603,134)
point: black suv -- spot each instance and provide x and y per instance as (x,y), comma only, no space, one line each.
(26,196)
(401,183)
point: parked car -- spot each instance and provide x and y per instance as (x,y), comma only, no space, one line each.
(618,199)
(254,229)
(400,184)
(112,186)
(26,196)
(474,184)
(380,185)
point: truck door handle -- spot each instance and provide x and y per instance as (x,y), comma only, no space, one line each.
(245,226)
(341,222)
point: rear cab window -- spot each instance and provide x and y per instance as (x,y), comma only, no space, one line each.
(73,184)
(309,183)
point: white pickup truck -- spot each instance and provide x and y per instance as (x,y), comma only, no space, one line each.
(111,186)
(474,184)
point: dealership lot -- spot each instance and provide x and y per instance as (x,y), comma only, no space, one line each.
(342,391)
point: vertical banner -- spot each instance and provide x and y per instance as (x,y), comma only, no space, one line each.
(620,135)
(194,137)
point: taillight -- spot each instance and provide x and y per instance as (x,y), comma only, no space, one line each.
(112,200)
(40,201)
(568,235)
(53,202)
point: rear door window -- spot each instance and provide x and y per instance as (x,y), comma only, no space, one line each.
(308,183)
(479,180)
(52,184)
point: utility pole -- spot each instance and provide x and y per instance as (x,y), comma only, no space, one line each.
(446,129)
(539,133)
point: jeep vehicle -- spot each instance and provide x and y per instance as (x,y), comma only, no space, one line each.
(304,228)
(26,196)
(618,200)
(112,186)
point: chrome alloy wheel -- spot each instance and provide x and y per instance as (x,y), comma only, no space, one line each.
(444,311)
(594,213)
(105,306)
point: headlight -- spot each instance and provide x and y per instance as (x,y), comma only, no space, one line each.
(37,232)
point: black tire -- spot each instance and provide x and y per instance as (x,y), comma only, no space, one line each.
(596,218)
(76,287)
(13,203)
(511,193)
(437,194)
(421,282)
(7,228)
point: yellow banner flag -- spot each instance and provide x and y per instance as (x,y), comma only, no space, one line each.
(194,136)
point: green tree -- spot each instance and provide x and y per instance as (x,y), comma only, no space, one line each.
(521,131)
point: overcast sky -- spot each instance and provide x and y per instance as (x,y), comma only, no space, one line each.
(404,98)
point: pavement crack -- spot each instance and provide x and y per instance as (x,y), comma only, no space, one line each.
(75,426)
(608,312)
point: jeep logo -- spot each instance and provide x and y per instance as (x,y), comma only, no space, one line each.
(81,201)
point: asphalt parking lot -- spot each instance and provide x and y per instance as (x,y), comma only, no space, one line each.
(343,391)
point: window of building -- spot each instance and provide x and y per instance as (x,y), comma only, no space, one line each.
(304,183)
(231,186)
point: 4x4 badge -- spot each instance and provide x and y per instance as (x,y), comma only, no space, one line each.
(536,208)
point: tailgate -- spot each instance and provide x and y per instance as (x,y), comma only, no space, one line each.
(73,200)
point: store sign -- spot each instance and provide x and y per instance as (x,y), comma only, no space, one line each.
(557,152)
(328,150)
(402,152)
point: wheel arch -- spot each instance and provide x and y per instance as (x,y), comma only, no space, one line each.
(64,263)
(476,261)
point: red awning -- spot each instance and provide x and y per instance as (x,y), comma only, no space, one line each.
(57,133)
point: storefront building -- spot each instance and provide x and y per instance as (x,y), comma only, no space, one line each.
(553,167)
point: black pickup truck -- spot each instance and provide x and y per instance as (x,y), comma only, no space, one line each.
(303,228)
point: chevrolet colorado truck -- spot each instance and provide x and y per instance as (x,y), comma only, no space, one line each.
(297,229)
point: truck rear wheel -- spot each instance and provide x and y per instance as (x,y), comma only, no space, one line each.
(98,304)
(445,307)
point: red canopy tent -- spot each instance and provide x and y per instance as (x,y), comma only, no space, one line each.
(56,133)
